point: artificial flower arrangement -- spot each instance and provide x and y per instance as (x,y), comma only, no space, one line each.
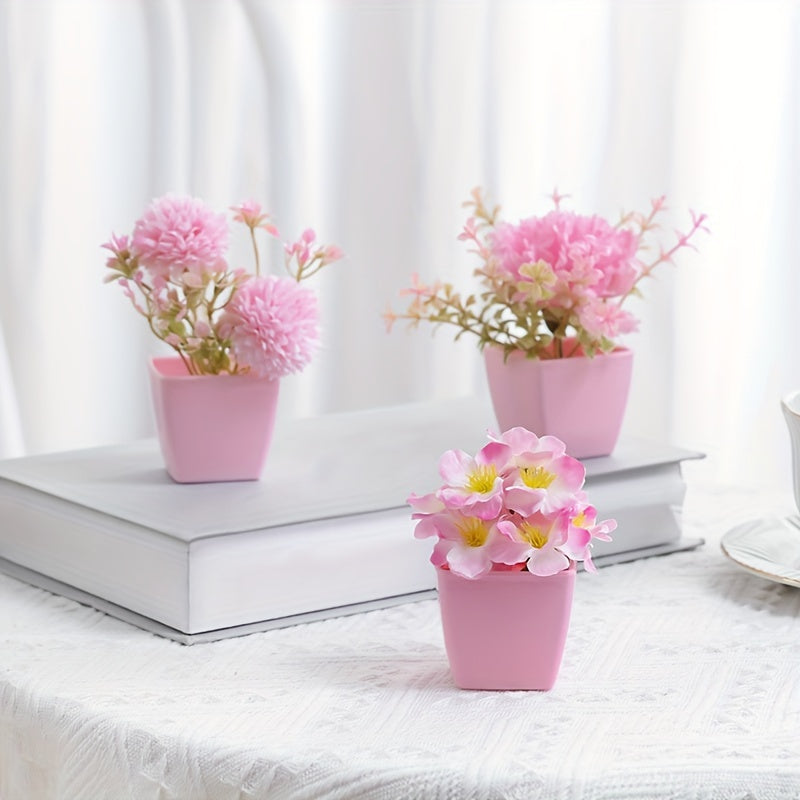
(551,286)
(517,504)
(219,319)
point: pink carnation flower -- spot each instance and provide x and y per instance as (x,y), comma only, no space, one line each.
(582,251)
(178,234)
(273,326)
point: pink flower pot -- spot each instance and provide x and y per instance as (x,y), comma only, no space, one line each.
(505,630)
(212,427)
(578,399)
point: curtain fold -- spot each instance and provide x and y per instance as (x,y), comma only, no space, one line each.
(371,122)
(11,442)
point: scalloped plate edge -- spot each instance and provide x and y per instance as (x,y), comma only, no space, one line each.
(758,546)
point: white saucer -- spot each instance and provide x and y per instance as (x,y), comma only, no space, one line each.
(769,548)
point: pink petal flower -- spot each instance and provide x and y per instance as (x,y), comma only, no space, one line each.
(519,439)
(586,518)
(543,483)
(547,562)
(523,442)
(251,214)
(331,253)
(426,507)
(440,551)
(541,535)
(470,231)
(202,329)
(468,562)
(583,528)
(118,245)
(474,485)
(507,551)
(540,476)
(425,504)
(273,326)
(419,289)
(602,319)
(470,545)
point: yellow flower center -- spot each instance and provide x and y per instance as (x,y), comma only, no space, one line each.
(534,536)
(536,477)
(481,479)
(474,532)
(580,520)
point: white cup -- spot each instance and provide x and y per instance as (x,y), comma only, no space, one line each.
(791,412)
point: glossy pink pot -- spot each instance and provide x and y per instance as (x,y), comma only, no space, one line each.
(505,630)
(212,427)
(578,399)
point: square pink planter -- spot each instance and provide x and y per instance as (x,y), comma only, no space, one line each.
(212,427)
(580,400)
(505,630)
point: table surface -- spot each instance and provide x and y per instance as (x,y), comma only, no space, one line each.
(680,679)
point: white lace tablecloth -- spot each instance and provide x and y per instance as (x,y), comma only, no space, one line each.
(681,679)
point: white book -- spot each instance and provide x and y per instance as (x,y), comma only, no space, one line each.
(325,532)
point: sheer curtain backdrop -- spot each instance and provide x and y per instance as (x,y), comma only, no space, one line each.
(371,121)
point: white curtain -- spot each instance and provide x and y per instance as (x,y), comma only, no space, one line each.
(371,121)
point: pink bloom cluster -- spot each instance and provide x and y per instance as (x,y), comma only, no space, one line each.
(551,286)
(590,261)
(518,503)
(174,270)
(306,251)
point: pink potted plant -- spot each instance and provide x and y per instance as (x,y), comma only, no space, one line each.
(548,314)
(235,334)
(510,524)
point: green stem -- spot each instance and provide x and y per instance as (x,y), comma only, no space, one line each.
(255,249)
(187,362)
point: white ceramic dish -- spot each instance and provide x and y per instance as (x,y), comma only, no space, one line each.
(769,548)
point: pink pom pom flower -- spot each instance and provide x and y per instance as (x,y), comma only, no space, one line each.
(178,234)
(219,320)
(273,326)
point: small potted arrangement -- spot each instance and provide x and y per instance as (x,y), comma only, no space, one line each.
(549,313)
(235,334)
(510,524)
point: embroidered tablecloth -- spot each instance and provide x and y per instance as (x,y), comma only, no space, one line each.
(681,679)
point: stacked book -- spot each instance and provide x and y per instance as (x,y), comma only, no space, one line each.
(325,532)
